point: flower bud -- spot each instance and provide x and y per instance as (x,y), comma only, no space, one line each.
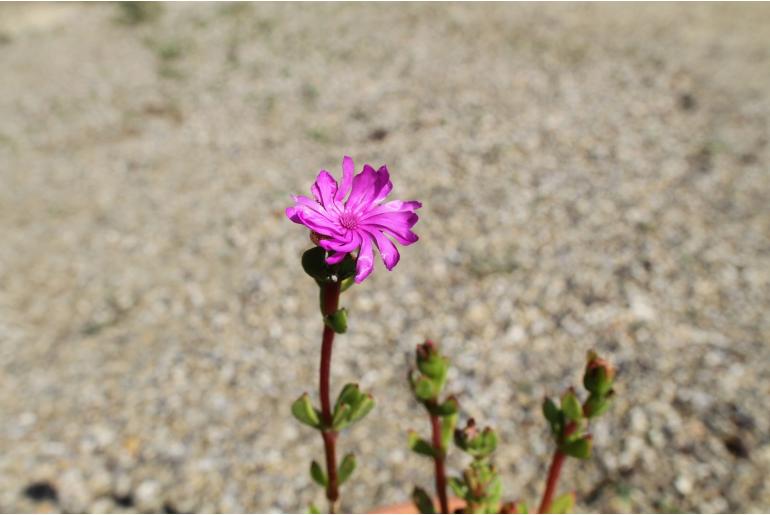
(477,444)
(429,361)
(599,375)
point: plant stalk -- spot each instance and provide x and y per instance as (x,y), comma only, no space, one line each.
(438,459)
(554,472)
(553,478)
(330,296)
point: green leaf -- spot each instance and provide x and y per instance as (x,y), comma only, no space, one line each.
(314,264)
(424,388)
(449,407)
(563,504)
(340,418)
(579,448)
(422,500)
(489,440)
(313,509)
(303,410)
(597,405)
(361,409)
(347,467)
(346,269)
(352,405)
(432,365)
(550,411)
(459,487)
(521,507)
(448,424)
(347,283)
(420,446)
(570,405)
(317,474)
(338,321)
(349,395)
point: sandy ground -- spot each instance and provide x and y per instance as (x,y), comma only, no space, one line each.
(592,175)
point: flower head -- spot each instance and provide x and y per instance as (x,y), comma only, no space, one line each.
(360,222)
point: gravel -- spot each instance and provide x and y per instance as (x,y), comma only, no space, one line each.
(593,176)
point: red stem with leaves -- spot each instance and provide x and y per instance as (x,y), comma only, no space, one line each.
(330,296)
(555,469)
(438,459)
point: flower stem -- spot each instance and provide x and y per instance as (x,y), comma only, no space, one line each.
(330,296)
(553,478)
(553,473)
(438,459)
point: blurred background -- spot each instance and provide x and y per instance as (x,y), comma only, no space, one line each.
(593,176)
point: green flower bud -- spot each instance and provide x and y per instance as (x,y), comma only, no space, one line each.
(429,361)
(477,444)
(599,375)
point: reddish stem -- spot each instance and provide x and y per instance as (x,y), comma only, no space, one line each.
(438,460)
(553,479)
(553,473)
(330,296)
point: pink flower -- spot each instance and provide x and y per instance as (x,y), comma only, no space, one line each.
(360,221)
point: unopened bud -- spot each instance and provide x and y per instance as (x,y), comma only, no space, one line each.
(599,375)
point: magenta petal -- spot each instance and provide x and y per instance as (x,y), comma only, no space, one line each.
(304,202)
(405,219)
(365,261)
(348,169)
(324,189)
(383,186)
(401,234)
(317,222)
(291,213)
(388,251)
(362,192)
(336,258)
(346,244)
(394,206)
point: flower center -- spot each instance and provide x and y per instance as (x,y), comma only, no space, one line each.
(348,220)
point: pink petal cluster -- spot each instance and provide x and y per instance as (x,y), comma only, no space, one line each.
(360,222)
